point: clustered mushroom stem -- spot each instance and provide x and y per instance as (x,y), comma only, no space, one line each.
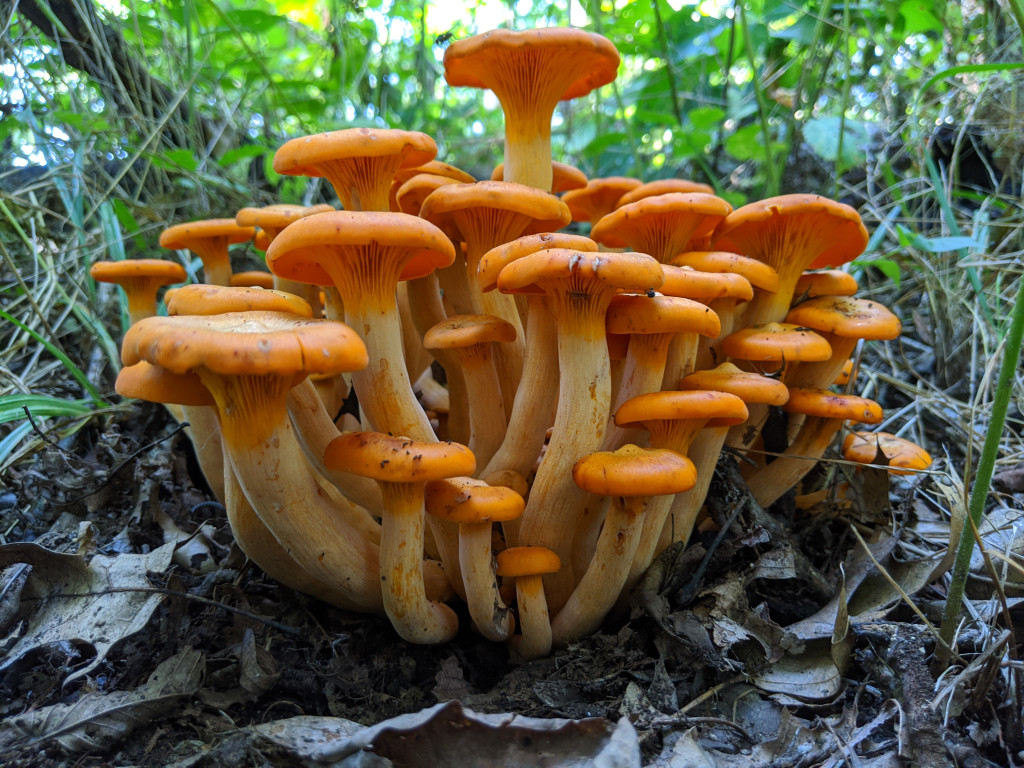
(204,432)
(772,480)
(584,401)
(528,151)
(476,561)
(600,586)
(536,398)
(704,452)
(414,617)
(275,477)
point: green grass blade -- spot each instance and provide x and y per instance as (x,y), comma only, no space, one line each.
(12,407)
(66,361)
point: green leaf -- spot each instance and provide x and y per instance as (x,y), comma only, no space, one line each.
(747,143)
(888,267)
(918,18)
(244,152)
(706,118)
(822,134)
(183,159)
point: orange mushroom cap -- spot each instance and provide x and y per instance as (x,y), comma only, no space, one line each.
(661,225)
(564,177)
(596,200)
(776,342)
(388,458)
(904,456)
(663,187)
(633,471)
(202,299)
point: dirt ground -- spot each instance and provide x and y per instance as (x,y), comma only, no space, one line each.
(692,661)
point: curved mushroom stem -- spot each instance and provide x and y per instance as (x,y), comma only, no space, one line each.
(603,581)
(414,617)
(260,546)
(271,470)
(489,613)
(704,452)
(772,480)
(536,398)
(216,260)
(534,620)
(205,435)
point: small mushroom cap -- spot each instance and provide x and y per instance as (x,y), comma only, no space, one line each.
(245,343)
(527,561)
(749,387)
(824,404)
(478,61)
(397,459)
(302,156)
(759,274)
(466,330)
(599,197)
(825,282)
(256,278)
(162,272)
(468,500)
(724,408)
(629,271)
(296,253)
(277,216)
(663,187)
(636,313)
(433,168)
(203,299)
(564,177)
(901,453)
(445,206)
(496,259)
(846,316)
(777,342)
(633,471)
(410,196)
(665,218)
(186,235)
(839,235)
(690,283)
(144,381)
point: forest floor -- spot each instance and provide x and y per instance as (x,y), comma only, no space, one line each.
(122,651)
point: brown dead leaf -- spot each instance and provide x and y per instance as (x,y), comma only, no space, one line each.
(97,720)
(67,598)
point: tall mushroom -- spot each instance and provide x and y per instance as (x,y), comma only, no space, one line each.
(530,71)
(209,240)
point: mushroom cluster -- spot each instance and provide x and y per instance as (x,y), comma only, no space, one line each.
(539,412)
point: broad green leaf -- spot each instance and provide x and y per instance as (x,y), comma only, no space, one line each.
(822,134)
(706,118)
(244,152)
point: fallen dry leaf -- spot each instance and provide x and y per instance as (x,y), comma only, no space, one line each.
(68,598)
(97,720)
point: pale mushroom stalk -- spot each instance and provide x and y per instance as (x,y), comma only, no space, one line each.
(205,435)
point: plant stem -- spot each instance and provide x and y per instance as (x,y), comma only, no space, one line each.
(762,105)
(986,466)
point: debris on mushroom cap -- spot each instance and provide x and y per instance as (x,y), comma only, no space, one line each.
(203,299)
(398,459)
(846,316)
(902,454)
(527,561)
(633,471)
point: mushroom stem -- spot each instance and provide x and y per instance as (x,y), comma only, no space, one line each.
(414,617)
(602,583)
(772,480)
(205,435)
(490,615)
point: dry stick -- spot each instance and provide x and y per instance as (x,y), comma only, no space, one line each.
(986,467)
